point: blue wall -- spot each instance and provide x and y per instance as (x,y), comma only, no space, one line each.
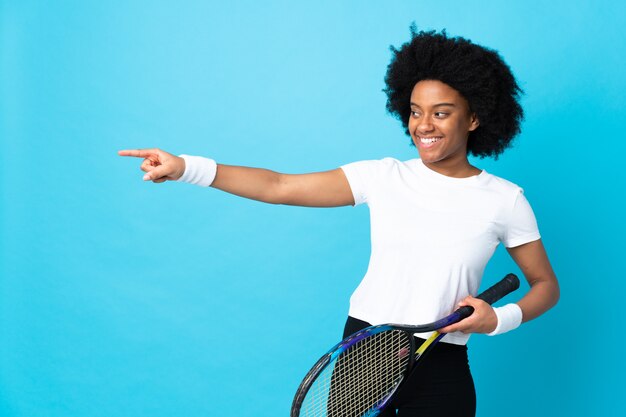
(125,298)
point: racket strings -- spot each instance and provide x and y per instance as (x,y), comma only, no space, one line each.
(360,378)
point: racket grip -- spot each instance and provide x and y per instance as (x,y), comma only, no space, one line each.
(507,285)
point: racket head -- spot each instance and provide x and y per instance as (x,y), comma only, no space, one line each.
(358,376)
(347,382)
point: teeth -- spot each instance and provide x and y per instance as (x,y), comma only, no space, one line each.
(430,140)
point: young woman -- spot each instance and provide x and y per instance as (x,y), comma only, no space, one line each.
(435,221)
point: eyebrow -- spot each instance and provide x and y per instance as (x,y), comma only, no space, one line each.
(437,105)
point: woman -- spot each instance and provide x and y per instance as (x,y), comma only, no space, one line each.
(435,221)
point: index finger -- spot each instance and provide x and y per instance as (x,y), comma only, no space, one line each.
(141,153)
(451,328)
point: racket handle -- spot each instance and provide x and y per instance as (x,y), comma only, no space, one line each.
(507,285)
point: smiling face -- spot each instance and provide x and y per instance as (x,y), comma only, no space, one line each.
(439,125)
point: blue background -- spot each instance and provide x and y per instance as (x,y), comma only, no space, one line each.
(125,298)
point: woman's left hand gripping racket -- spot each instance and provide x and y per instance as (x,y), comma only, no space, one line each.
(359,376)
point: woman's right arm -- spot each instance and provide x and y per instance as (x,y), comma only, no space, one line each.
(320,189)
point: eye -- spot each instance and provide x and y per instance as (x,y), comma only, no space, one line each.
(415,114)
(441,115)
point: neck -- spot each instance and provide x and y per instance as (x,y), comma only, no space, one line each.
(454,169)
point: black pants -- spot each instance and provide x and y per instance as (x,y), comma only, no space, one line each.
(441,386)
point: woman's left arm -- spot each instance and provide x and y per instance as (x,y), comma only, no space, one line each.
(544,287)
(543,294)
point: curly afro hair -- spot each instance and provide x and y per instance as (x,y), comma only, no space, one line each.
(478,73)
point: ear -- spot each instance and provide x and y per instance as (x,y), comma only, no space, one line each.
(474,122)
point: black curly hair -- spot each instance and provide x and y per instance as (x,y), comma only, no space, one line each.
(478,73)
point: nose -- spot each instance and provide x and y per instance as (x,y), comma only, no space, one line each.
(425,126)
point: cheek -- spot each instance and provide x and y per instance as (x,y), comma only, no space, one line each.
(458,129)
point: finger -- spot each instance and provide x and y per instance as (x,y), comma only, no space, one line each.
(156,173)
(464,326)
(470,301)
(147,168)
(148,165)
(140,153)
(448,329)
(456,327)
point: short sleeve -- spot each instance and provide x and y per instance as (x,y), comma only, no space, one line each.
(361,177)
(522,225)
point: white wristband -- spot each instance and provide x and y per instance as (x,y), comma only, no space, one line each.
(198,170)
(509,318)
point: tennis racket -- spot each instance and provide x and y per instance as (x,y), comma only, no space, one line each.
(359,375)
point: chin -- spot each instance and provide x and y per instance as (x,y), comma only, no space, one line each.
(429,159)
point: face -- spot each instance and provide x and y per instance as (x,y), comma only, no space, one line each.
(440,123)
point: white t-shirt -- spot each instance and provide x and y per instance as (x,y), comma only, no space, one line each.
(431,236)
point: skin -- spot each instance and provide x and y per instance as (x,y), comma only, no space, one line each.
(319,189)
(437,111)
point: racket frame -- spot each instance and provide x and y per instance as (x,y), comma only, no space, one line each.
(340,348)
(505,286)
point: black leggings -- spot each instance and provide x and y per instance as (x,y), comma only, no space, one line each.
(442,386)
